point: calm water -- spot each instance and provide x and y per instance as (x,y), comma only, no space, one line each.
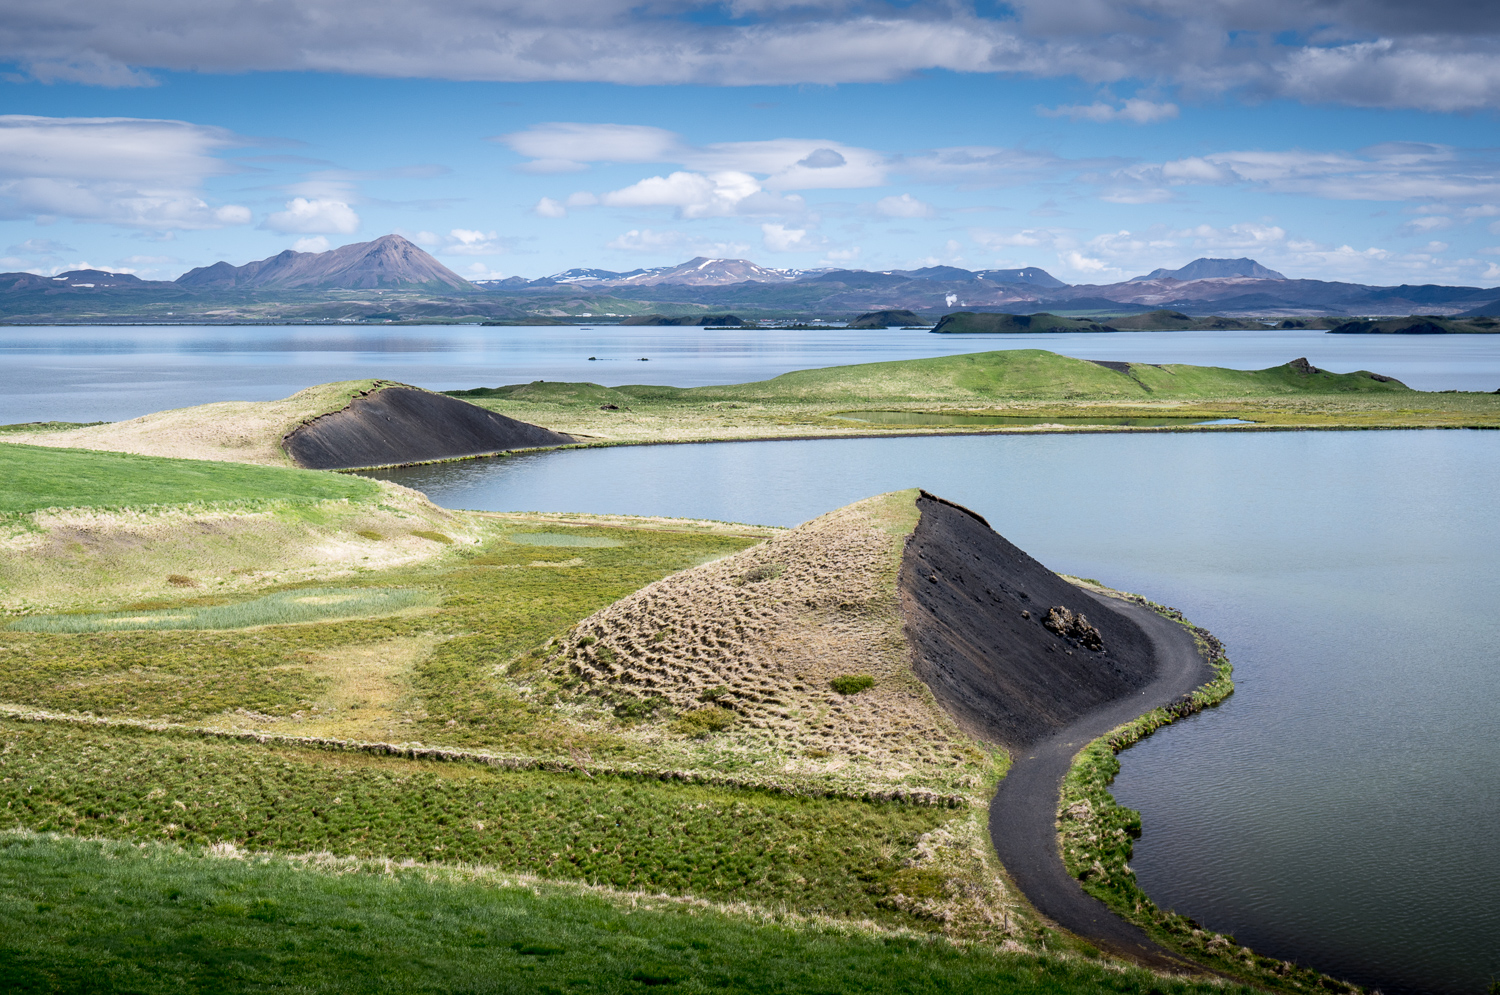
(1343,807)
(107,373)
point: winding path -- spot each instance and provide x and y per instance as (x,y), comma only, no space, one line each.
(1023,814)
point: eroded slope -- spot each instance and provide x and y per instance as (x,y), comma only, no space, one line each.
(986,639)
(755,641)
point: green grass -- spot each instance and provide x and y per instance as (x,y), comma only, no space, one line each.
(101,918)
(494,614)
(831,856)
(1029,374)
(37,477)
(282,608)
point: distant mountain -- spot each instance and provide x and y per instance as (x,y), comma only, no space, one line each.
(389,261)
(705,272)
(1031,276)
(1213,269)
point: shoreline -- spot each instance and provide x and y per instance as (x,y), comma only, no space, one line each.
(944,433)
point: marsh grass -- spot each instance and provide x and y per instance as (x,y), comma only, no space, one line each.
(110,917)
(282,608)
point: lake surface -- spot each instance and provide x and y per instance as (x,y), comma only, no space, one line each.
(1342,808)
(111,372)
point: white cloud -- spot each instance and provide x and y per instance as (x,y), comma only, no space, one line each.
(470,242)
(780,238)
(1134,110)
(1423,225)
(904,206)
(135,172)
(678,243)
(549,208)
(785,163)
(313,243)
(565,147)
(314,216)
(695,195)
(1394,171)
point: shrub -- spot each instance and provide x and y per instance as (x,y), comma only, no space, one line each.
(178,580)
(370,534)
(852,683)
(701,722)
(433,536)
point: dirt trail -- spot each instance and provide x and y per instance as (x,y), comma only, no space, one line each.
(1023,815)
(1022,658)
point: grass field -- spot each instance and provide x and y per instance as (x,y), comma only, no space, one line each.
(81,916)
(1028,382)
(36,477)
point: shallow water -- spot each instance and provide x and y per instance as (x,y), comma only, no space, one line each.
(110,372)
(1341,808)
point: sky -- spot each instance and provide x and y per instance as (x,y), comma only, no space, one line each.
(1328,139)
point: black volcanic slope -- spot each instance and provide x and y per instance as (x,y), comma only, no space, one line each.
(407,425)
(966,594)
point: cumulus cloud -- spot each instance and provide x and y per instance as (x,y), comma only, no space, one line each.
(904,206)
(314,216)
(699,195)
(134,172)
(1134,111)
(549,208)
(313,243)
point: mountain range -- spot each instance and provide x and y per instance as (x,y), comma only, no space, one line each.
(408,283)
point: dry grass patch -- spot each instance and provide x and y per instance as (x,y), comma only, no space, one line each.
(733,664)
(366,693)
(87,559)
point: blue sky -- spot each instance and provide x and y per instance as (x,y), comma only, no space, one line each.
(1095,140)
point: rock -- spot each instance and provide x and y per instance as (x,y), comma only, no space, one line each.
(1070,626)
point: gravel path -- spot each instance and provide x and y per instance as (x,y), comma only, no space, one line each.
(1023,815)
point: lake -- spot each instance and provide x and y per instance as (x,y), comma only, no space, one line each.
(111,372)
(1341,809)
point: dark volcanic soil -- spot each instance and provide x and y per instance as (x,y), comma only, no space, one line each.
(967,593)
(976,611)
(408,425)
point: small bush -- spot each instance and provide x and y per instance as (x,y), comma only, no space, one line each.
(178,580)
(433,536)
(852,683)
(713,694)
(701,722)
(636,709)
(370,534)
